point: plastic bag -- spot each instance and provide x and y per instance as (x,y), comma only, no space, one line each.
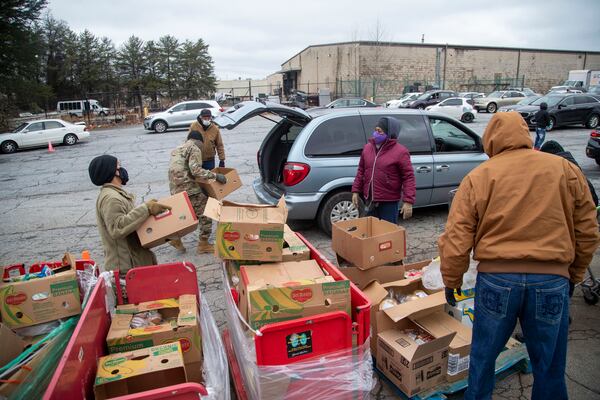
(344,374)
(432,276)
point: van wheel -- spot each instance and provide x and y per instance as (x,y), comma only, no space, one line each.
(160,127)
(593,121)
(70,139)
(336,208)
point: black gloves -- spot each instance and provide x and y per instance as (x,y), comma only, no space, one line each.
(222,164)
(450,299)
(221,178)
(571,289)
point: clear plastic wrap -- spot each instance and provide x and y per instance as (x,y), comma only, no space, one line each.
(336,375)
(432,276)
(215,367)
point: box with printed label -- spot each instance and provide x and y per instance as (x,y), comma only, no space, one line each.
(411,353)
(248,231)
(463,311)
(40,299)
(368,242)
(11,345)
(170,320)
(136,371)
(218,190)
(290,290)
(175,223)
(459,349)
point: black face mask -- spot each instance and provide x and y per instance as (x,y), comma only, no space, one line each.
(123,175)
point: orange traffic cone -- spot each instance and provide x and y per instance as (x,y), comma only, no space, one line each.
(50,148)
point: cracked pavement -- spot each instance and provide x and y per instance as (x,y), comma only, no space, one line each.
(49,208)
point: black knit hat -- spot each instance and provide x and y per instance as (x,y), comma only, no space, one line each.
(383,124)
(195,135)
(205,113)
(552,147)
(102,169)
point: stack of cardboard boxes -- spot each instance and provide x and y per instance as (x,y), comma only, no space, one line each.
(270,268)
(30,299)
(417,345)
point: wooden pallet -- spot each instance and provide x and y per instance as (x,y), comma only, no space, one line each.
(512,360)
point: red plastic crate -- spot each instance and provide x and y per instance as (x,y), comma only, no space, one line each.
(74,376)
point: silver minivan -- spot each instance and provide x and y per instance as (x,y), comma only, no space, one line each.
(312,160)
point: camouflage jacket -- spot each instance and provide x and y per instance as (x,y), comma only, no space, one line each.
(185,169)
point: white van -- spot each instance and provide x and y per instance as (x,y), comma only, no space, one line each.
(76,108)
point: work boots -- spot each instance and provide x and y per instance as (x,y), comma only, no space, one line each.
(204,247)
(178,245)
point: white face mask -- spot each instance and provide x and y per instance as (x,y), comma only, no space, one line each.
(205,122)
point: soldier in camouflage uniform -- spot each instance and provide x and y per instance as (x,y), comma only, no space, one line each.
(185,173)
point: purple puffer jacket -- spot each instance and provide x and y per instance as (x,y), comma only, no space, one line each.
(393,179)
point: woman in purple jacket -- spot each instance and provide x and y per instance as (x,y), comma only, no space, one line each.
(385,174)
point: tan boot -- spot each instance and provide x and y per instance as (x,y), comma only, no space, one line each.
(205,247)
(178,245)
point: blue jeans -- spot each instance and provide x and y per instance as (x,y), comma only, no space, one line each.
(210,164)
(386,210)
(540,135)
(541,303)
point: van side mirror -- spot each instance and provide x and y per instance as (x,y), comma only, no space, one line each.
(170,111)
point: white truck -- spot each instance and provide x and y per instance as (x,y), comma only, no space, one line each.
(581,79)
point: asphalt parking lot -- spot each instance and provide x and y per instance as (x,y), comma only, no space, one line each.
(49,208)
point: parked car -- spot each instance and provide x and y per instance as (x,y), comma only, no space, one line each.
(455,107)
(403,101)
(565,109)
(39,133)
(525,90)
(181,115)
(313,160)
(592,149)
(494,100)
(432,97)
(563,90)
(471,95)
(347,102)
(515,107)
(594,90)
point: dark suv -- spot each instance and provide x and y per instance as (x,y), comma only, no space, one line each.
(312,160)
(431,98)
(565,109)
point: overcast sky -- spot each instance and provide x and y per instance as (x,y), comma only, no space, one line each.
(251,39)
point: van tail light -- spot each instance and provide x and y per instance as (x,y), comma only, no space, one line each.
(294,173)
(595,134)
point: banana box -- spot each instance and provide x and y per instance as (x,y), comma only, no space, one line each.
(294,249)
(38,300)
(248,231)
(139,370)
(289,290)
(178,322)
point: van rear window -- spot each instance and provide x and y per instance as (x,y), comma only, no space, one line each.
(337,137)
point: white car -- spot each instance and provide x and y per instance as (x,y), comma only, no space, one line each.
(39,132)
(456,107)
(181,115)
(402,101)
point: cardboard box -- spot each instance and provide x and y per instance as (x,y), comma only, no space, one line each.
(7,388)
(248,231)
(140,370)
(411,365)
(182,327)
(377,290)
(294,248)
(459,349)
(381,274)
(368,242)
(11,345)
(218,190)
(172,224)
(39,300)
(291,290)
(464,311)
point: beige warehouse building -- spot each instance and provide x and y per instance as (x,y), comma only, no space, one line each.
(384,70)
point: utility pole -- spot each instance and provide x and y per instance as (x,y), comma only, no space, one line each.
(423,38)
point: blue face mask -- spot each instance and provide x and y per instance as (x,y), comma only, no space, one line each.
(379,137)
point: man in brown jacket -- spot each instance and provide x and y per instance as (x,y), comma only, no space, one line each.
(213,143)
(529,218)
